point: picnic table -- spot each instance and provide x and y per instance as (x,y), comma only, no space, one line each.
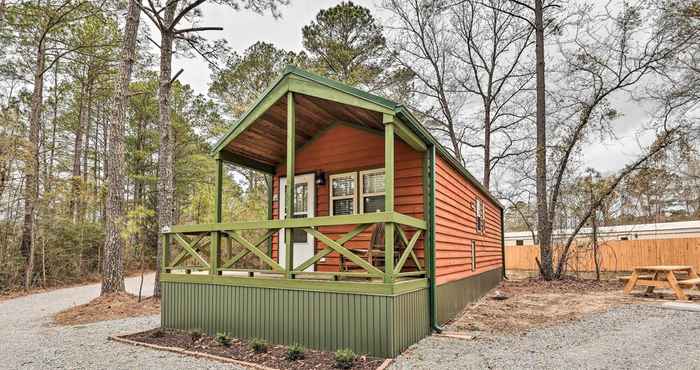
(664,277)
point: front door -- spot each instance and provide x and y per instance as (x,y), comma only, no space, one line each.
(304,197)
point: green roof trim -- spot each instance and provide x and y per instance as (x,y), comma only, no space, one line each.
(399,110)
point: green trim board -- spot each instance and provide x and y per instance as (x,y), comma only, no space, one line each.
(304,82)
(308,86)
(245,162)
(354,287)
(429,183)
(273,93)
(378,325)
(366,218)
(453,296)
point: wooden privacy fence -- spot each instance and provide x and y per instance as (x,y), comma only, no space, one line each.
(614,255)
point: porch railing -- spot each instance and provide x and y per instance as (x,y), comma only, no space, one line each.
(202,243)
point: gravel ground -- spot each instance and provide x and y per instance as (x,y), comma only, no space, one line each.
(29,340)
(631,337)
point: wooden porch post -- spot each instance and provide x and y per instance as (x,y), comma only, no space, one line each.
(289,186)
(389,197)
(219,190)
(215,252)
(165,259)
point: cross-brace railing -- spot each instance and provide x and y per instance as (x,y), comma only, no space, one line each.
(194,238)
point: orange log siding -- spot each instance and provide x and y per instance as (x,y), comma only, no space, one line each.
(455,227)
(343,149)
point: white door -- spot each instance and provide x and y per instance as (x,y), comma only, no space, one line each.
(304,199)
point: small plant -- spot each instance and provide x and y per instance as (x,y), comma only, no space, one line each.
(195,334)
(223,339)
(344,358)
(258,345)
(295,352)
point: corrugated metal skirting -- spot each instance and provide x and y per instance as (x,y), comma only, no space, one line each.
(368,324)
(452,297)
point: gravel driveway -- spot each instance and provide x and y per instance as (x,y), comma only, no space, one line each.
(631,337)
(29,340)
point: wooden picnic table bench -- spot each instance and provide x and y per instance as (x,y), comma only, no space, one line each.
(663,277)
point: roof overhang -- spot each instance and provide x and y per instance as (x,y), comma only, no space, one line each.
(258,141)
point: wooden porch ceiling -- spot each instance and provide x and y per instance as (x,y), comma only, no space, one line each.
(265,140)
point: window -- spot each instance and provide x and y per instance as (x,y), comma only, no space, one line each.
(624,238)
(301,210)
(519,242)
(343,192)
(479,216)
(473,255)
(372,191)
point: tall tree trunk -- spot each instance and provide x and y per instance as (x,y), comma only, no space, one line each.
(31,184)
(77,156)
(544,225)
(166,178)
(86,149)
(487,144)
(52,150)
(112,264)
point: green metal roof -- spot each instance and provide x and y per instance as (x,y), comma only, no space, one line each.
(399,110)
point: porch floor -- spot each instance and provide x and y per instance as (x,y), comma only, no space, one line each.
(299,276)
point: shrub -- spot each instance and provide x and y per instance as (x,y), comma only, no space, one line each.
(223,339)
(258,345)
(295,352)
(344,358)
(196,334)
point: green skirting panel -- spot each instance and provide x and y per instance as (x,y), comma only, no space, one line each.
(378,325)
(452,297)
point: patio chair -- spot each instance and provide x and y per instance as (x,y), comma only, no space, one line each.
(374,254)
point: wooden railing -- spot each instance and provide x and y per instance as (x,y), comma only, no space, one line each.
(201,246)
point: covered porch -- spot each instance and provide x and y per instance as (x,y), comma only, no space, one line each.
(353,191)
(334,238)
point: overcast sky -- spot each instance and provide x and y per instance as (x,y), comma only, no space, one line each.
(244,28)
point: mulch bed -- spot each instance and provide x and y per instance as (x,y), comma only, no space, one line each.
(108,307)
(275,357)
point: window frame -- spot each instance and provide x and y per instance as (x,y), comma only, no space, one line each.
(361,195)
(354,195)
(479,216)
(473,255)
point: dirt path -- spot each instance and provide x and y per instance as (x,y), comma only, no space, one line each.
(29,339)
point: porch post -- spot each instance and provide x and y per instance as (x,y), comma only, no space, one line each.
(289,186)
(219,190)
(215,251)
(389,197)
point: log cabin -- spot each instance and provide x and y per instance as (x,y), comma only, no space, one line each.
(390,236)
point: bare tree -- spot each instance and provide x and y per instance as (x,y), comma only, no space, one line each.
(665,139)
(492,48)
(599,66)
(423,44)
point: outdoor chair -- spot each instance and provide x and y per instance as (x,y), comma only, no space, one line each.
(374,254)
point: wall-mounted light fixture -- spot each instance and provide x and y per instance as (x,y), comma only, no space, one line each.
(320,178)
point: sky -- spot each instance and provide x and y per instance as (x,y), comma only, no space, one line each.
(243,28)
